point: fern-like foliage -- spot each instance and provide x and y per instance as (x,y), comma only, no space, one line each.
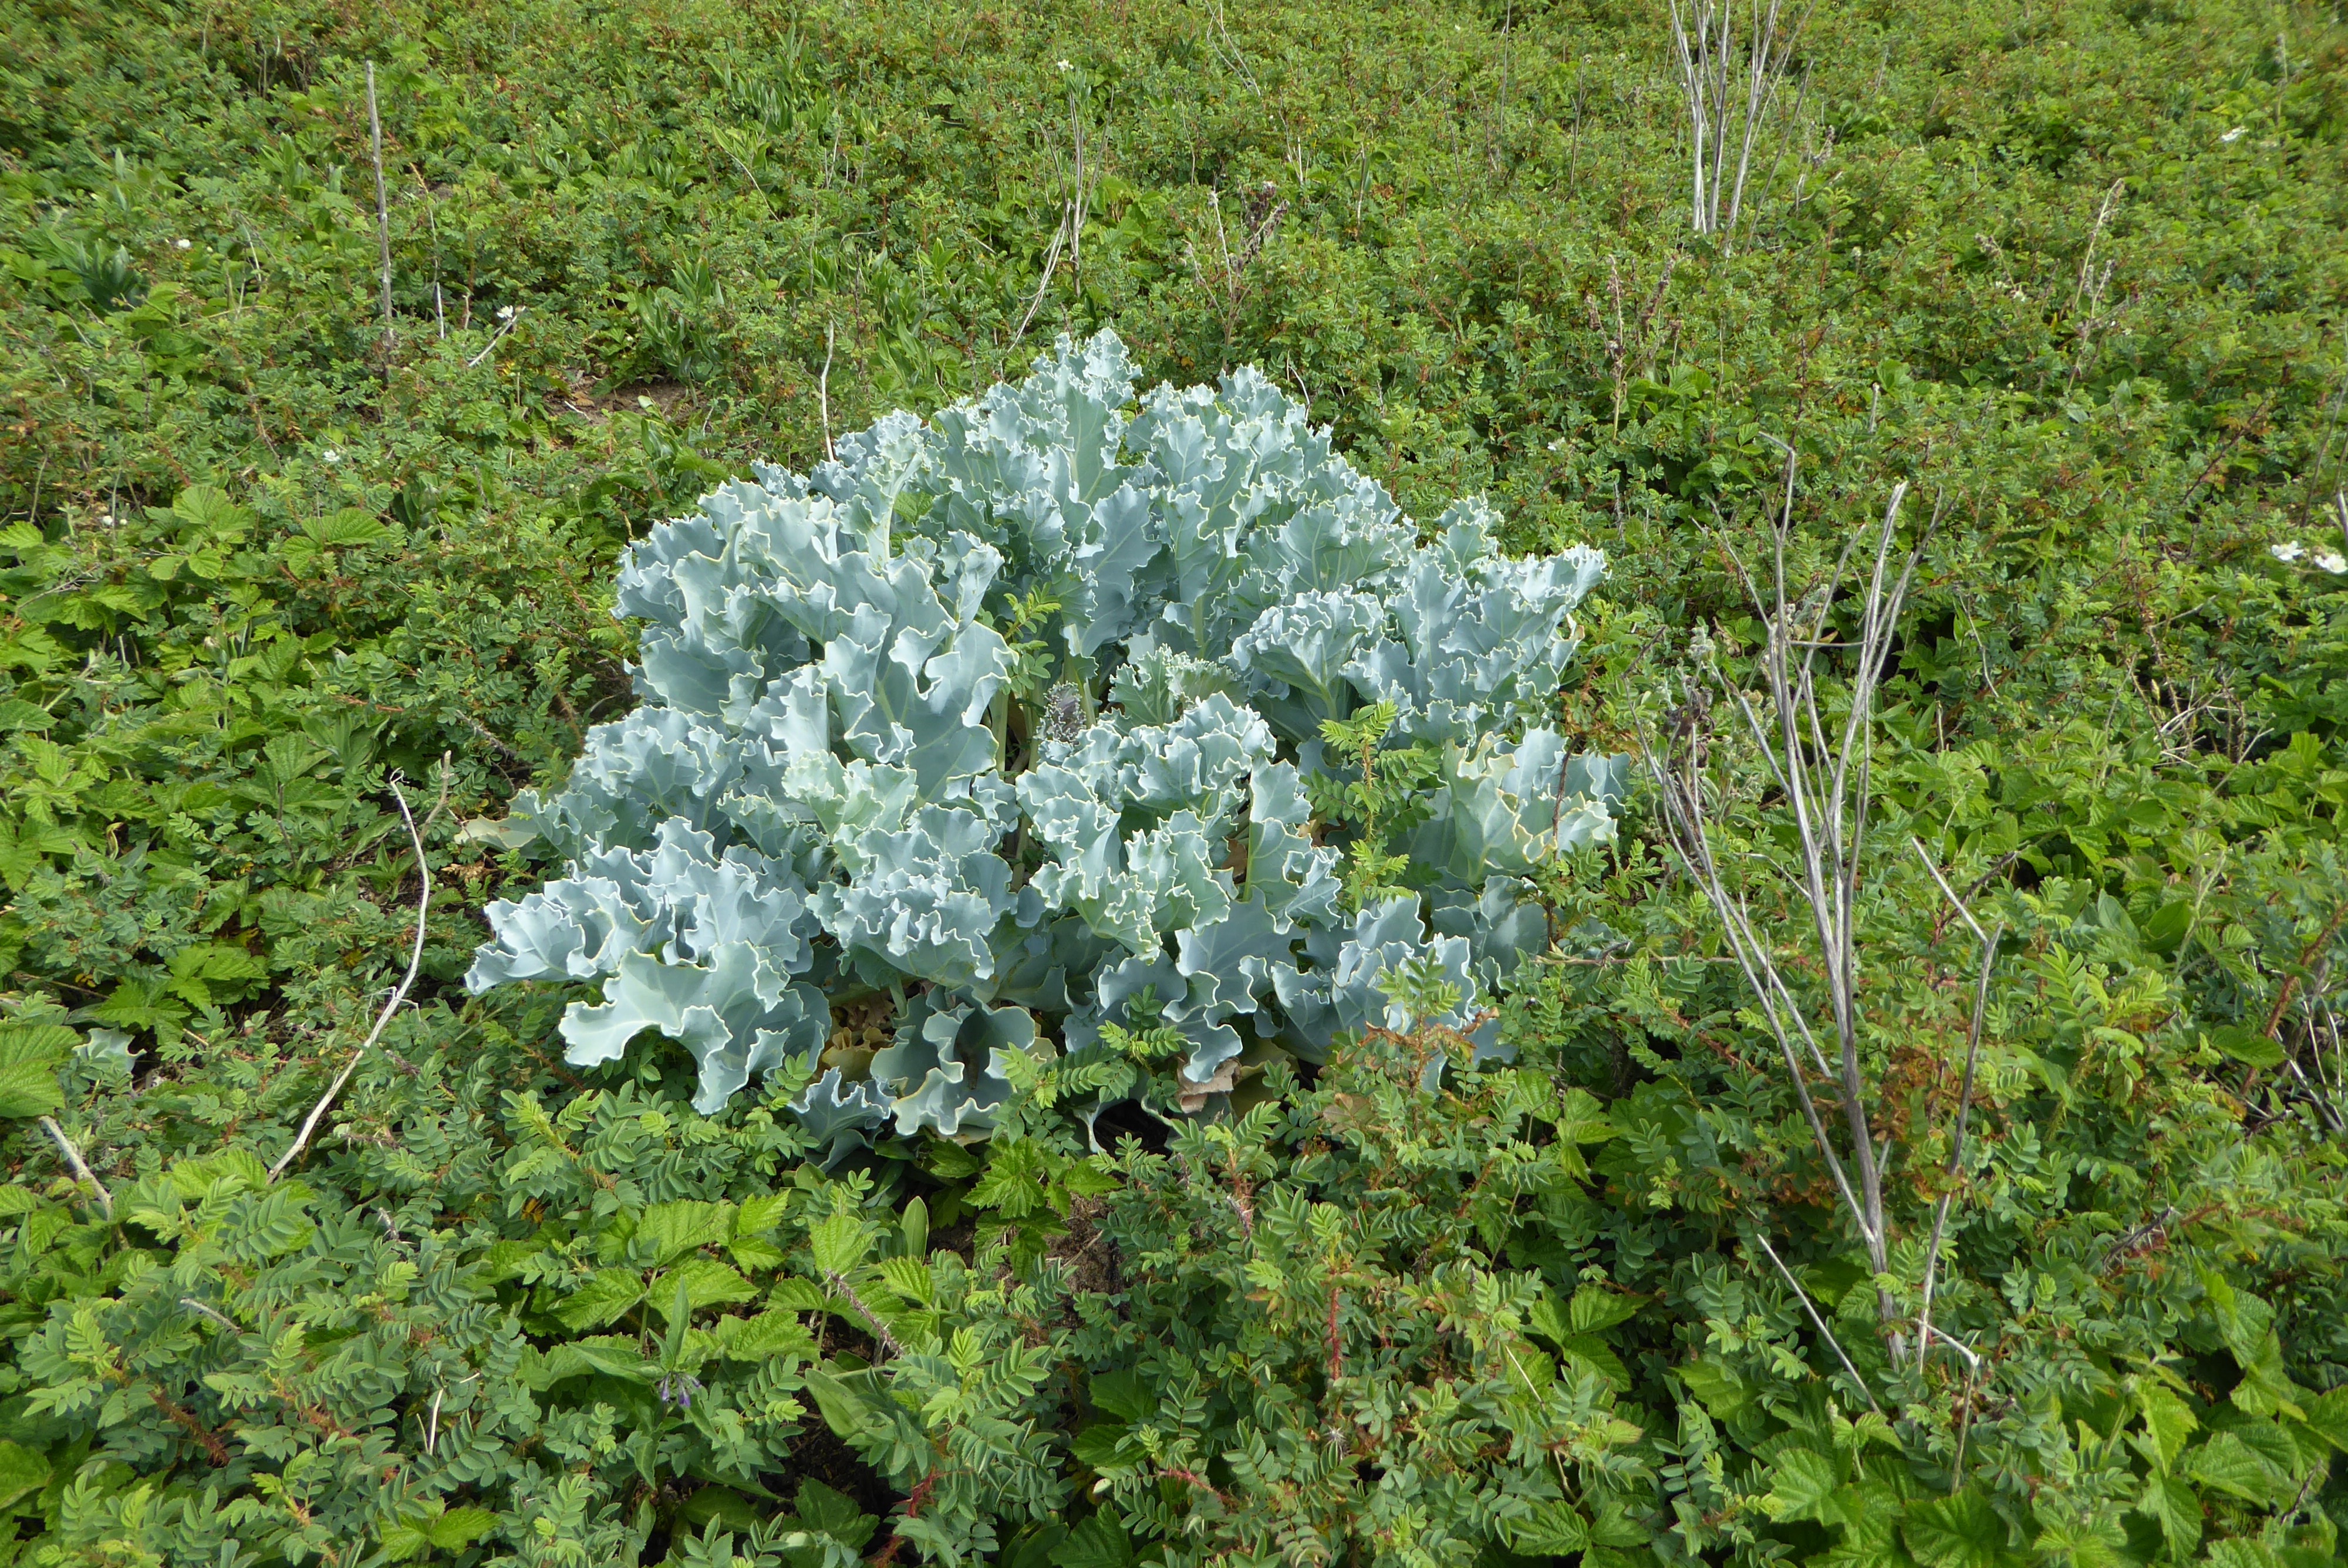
(1009,716)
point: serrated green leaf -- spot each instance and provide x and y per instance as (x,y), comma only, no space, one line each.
(2175,1507)
(1595,1309)
(1098,1540)
(839,1243)
(834,1514)
(1723,1392)
(2246,1046)
(2225,1463)
(764,1337)
(671,1230)
(1800,1483)
(705,1283)
(2168,1424)
(30,1058)
(23,1471)
(459,1528)
(348,529)
(1554,1529)
(1959,1531)
(606,1295)
(2327,1415)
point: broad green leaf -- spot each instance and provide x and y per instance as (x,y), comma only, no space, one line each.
(1122,1393)
(606,1295)
(1595,1309)
(759,1214)
(1723,1392)
(2243,1318)
(1100,1446)
(2327,1414)
(1098,1540)
(839,1243)
(610,1356)
(23,1471)
(2174,1506)
(834,1514)
(673,1229)
(345,529)
(30,1058)
(2168,1424)
(459,1528)
(764,1337)
(2246,1046)
(404,1541)
(705,1283)
(1582,1119)
(2096,1543)
(1959,1531)
(2225,1463)
(909,1278)
(1800,1483)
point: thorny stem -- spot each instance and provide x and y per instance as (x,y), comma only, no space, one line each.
(879,1330)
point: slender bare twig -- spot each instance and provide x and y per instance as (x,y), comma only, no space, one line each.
(1824,781)
(498,336)
(1989,940)
(201,1310)
(82,1173)
(1051,260)
(823,387)
(1728,85)
(1817,1318)
(399,992)
(1955,902)
(1972,1357)
(382,206)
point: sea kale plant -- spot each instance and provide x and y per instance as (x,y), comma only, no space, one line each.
(1071,737)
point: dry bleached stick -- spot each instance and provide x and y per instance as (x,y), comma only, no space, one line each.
(382,204)
(1824,782)
(1924,1330)
(399,995)
(1825,785)
(1815,1316)
(80,1167)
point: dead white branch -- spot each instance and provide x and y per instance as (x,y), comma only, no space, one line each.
(1820,772)
(399,992)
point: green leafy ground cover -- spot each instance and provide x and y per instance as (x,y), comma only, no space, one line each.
(2071,271)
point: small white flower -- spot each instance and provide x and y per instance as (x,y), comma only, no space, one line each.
(183,244)
(2287,552)
(331,455)
(2335,564)
(505,312)
(2235,135)
(1558,444)
(1066,67)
